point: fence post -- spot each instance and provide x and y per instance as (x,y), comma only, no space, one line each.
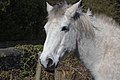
(38,71)
(57,75)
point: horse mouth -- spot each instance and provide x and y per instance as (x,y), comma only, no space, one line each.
(51,69)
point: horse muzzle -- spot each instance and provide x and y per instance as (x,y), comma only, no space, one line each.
(50,66)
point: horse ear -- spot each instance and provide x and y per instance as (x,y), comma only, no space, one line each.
(65,2)
(49,7)
(71,10)
(89,12)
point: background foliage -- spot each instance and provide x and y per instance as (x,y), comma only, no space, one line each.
(24,19)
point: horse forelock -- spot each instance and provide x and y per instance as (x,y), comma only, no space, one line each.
(58,10)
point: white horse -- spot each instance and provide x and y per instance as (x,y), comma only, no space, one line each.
(94,39)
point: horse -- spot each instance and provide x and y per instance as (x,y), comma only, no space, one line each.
(94,39)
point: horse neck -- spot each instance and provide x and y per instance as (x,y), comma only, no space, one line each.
(88,47)
(88,52)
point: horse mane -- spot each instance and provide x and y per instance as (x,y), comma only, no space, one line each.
(83,24)
(106,19)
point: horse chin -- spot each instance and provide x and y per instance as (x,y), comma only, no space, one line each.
(51,69)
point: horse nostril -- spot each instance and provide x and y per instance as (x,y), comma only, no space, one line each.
(50,62)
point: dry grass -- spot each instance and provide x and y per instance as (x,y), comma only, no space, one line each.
(69,68)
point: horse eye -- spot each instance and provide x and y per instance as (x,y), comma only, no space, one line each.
(65,28)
